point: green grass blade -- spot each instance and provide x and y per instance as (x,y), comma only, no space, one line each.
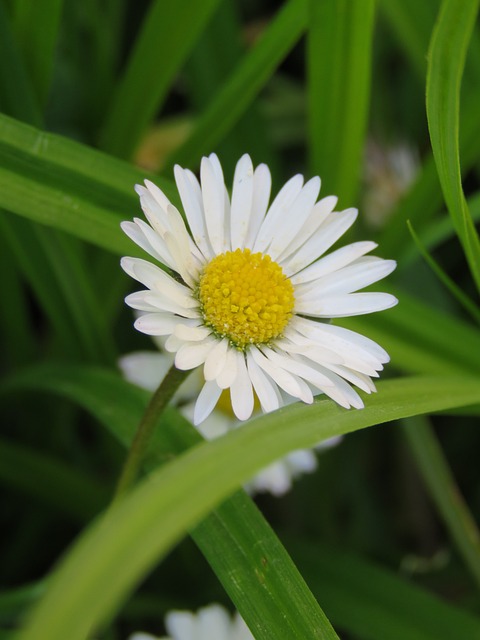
(448,282)
(236,95)
(446,62)
(113,555)
(444,491)
(372,603)
(168,34)
(339,66)
(249,546)
(69,186)
(36,26)
(51,264)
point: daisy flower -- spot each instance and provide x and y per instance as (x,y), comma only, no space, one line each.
(148,368)
(251,291)
(212,623)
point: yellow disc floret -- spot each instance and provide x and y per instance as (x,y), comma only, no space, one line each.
(245,297)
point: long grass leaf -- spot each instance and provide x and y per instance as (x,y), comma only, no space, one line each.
(446,61)
(113,555)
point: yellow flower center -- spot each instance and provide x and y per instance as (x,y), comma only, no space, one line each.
(245,297)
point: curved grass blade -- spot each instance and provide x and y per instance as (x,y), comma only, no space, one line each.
(249,547)
(446,62)
(455,290)
(114,554)
(339,66)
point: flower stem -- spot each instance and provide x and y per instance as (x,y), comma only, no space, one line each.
(444,491)
(146,428)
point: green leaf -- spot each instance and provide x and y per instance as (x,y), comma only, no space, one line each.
(168,34)
(114,554)
(251,74)
(374,604)
(339,65)
(446,61)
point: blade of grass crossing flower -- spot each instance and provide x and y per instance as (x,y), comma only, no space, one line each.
(167,36)
(244,84)
(17,96)
(461,297)
(370,602)
(113,555)
(37,25)
(446,62)
(249,548)
(444,491)
(339,66)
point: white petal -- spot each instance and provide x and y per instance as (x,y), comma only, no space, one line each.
(180,624)
(284,379)
(189,333)
(241,392)
(190,194)
(158,194)
(206,401)
(319,213)
(156,324)
(193,355)
(333,261)
(340,339)
(350,304)
(299,211)
(137,300)
(278,212)
(300,368)
(164,303)
(360,274)
(228,373)
(213,205)
(262,184)
(265,388)
(241,207)
(216,359)
(334,227)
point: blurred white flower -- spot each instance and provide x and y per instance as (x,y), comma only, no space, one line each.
(250,293)
(148,368)
(209,623)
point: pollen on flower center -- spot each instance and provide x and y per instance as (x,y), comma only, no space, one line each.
(245,297)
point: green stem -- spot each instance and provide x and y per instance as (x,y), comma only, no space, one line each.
(146,428)
(444,491)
